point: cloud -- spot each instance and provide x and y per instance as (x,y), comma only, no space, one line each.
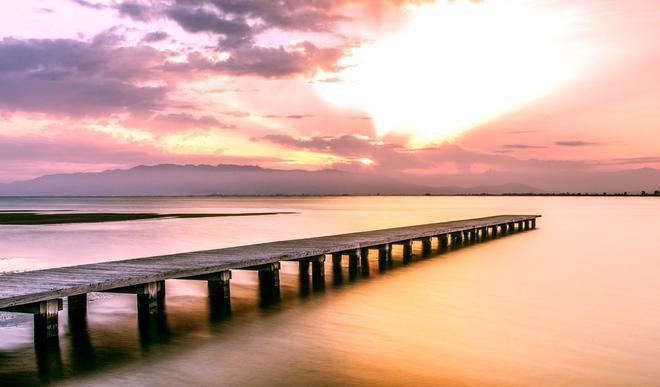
(235,31)
(237,114)
(303,58)
(637,160)
(89,4)
(184,122)
(136,11)
(386,156)
(522,146)
(289,116)
(574,143)
(153,37)
(76,78)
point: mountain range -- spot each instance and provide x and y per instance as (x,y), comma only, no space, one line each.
(224,179)
(228,179)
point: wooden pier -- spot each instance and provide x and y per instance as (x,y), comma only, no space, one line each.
(41,292)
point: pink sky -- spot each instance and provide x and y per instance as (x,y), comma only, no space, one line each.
(397,87)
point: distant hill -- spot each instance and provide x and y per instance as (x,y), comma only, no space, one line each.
(223,179)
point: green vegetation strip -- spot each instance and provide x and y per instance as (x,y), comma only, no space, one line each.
(33,218)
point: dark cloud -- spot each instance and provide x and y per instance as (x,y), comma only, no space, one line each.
(574,143)
(303,58)
(136,11)
(235,31)
(70,77)
(157,36)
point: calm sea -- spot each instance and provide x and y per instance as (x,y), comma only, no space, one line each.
(574,302)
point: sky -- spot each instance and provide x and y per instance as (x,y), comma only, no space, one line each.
(507,88)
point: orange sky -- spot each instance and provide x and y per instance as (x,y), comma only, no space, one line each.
(397,87)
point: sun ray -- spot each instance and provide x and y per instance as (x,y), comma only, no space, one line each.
(458,65)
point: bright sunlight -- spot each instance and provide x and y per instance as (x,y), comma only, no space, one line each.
(458,65)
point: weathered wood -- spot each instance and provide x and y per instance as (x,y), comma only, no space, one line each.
(45,317)
(42,285)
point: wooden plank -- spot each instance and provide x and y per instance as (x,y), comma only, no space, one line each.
(34,286)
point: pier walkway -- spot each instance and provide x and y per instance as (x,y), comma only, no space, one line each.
(41,292)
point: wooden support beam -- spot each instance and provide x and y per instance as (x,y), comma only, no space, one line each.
(265,267)
(455,239)
(426,246)
(385,252)
(364,261)
(45,317)
(364,253)
(336,259)
(150,297)
(533,223)
(77,303)
(219,286)
(151,300)
(303,267)
(384,256)
(407,250)
(269,286)
(353,259)
(443,241)
(318,272)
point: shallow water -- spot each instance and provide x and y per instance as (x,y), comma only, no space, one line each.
(573,302)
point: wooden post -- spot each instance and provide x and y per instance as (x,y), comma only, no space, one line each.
(269,283)
(81,350)
(318,272)
(426,246)
(303,267)
(45,320)
(364,254)
(336,259)
(45,317)
(407,250)
(384,255)
(364,261)
(353,259)
(219,288)
(454,240)
(444,241)
(533,222)
(77,313)
(151,298)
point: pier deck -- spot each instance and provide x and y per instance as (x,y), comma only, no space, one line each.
(40,292)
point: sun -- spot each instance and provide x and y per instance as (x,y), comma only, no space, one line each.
(458,65)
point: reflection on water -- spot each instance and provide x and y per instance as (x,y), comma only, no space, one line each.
(571,303)
(185,322)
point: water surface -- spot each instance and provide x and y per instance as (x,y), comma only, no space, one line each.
(573,302)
